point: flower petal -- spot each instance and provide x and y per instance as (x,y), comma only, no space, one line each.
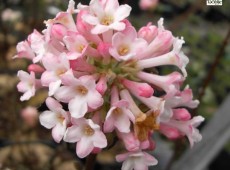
(99,139)
(84,147)
(53,87)
(48,119)
(94,100)
(53,105)
(65,93)
(58,132)
(98,29)
(122,12)
(127,165)
(78,107)
(73,134)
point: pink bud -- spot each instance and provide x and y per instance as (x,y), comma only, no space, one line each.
(103,49)
(58,31)
(101,86)
(181,114)
(170,132)
(35,68)
(148,32)
(141,89)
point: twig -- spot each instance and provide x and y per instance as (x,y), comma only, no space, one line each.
(214,65)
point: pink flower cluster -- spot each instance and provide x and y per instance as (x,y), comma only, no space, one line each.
(97,65)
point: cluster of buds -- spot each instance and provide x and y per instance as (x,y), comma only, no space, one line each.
(99,66)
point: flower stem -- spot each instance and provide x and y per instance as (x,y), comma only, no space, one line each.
(90,161)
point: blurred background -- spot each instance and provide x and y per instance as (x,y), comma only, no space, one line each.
(26,145)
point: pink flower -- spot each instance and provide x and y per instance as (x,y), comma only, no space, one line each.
(136,160)
(169,83)
(65,19)
(118,115)
(56,118)
(148,32)
(55,67)
(58,31)
(38,45)
(76,44)
(160,40)
(126,45)
(24,51)
(188,128)
(175,57)
(106,16)
(181,99)
(87,135)
(103,69)
(27,85)
(79,93)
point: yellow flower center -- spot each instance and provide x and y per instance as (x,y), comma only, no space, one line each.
(80,48)
(60,118)
(107,20)
(123,50)
(82,90)
(117,112)
(60,71)
(88,130)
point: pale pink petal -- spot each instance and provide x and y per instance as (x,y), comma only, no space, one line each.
(68,79)
(90,19)
(109,125)
(53,105)
(149,159)
(122,157)
(122,12)
(24,76)
(98,29)
(84,147)
(99,139)
(48,119)
(58,132)
(119,26)
(78,107)
(73,134)
(128,165)
(94,100)
(123,123)
(27,95)
(23,86)
(48,77)
(65,93)
(111,5)
(140,165)
(53,87)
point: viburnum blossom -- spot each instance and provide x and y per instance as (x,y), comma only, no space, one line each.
(100,68)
